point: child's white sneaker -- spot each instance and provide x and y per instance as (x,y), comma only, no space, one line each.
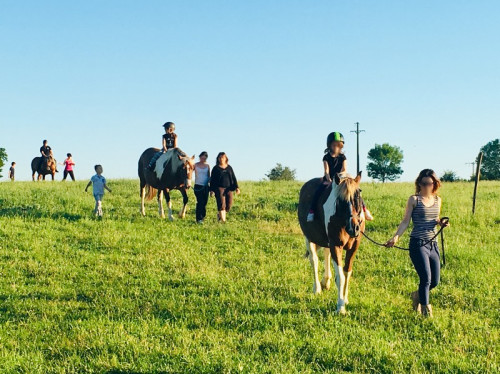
(368,215)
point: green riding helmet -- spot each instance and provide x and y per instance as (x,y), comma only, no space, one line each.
(334,137)
(168,125)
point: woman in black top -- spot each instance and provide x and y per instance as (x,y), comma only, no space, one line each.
(222,183)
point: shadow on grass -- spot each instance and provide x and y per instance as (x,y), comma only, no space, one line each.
(34,212)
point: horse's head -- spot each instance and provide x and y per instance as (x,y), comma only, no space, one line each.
(188,168)
(349,203)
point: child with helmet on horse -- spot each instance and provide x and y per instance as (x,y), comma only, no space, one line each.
(168,141)
(334,162)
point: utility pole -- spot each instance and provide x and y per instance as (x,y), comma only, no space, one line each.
(357,144)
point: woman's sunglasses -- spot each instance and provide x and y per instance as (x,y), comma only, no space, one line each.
(426,183)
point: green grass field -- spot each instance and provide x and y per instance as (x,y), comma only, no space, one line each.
(129,294)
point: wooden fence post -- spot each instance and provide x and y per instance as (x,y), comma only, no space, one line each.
(476,179)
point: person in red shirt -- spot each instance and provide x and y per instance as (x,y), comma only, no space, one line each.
(68,167)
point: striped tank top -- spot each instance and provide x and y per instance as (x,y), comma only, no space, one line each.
(424,219)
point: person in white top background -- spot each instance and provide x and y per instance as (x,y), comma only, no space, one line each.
(201,189)
(98,183)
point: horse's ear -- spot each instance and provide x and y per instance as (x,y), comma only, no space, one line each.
(358,177)
(337,178)
(192,157)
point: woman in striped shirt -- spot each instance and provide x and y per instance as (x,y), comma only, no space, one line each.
(423,209)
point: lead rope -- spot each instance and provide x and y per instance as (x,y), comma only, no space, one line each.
(443,220)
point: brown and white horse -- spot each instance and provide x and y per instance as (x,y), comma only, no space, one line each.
(337,225)
(173,171)
(43,168)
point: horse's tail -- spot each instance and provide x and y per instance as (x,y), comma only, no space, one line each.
(150,192)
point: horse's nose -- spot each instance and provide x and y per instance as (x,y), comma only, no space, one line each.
(355,230)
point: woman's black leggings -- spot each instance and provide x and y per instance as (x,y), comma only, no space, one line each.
(426,261)
(70,172)
(201,193)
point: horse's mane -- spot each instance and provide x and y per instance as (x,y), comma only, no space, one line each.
(347,187)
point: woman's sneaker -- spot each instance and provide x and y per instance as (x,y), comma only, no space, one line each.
(427,310)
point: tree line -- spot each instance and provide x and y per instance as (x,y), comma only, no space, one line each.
(385,162)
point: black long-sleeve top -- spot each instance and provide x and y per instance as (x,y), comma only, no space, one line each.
(223,177)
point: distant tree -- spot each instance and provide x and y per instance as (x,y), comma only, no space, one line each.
(490,166)
(385,162)
(449,176)
(3,159)
(281,173)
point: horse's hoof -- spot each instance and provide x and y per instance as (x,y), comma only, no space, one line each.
(341,311)
(171,219)
(341,307)
(325,284)
(317,289)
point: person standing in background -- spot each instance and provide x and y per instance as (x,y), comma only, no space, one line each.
(201,189)
(68,167)
(12,171)
(222,183)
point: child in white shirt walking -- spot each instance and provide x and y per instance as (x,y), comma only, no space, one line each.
(98,183)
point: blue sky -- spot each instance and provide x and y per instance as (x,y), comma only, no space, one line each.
(264,81)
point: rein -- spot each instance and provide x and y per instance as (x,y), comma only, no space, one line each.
(440,232)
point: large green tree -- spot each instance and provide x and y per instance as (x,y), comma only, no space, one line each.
(385,162)
(3,159)
(490,166)
(281,173)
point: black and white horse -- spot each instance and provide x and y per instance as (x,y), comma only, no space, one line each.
(172,171)
(339,221)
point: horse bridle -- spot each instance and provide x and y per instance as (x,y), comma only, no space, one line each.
(354,229)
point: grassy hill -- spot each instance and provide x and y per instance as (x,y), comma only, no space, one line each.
(129,294)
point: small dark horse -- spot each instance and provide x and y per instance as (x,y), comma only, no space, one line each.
(173,171)
(43,168)
(337,225)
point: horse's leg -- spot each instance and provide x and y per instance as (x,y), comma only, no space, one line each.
(349,259)
(339,277)
(311,249)
(182,213)
(160,204)
(143,195)
(326,281)
(169,205)
(53,176)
